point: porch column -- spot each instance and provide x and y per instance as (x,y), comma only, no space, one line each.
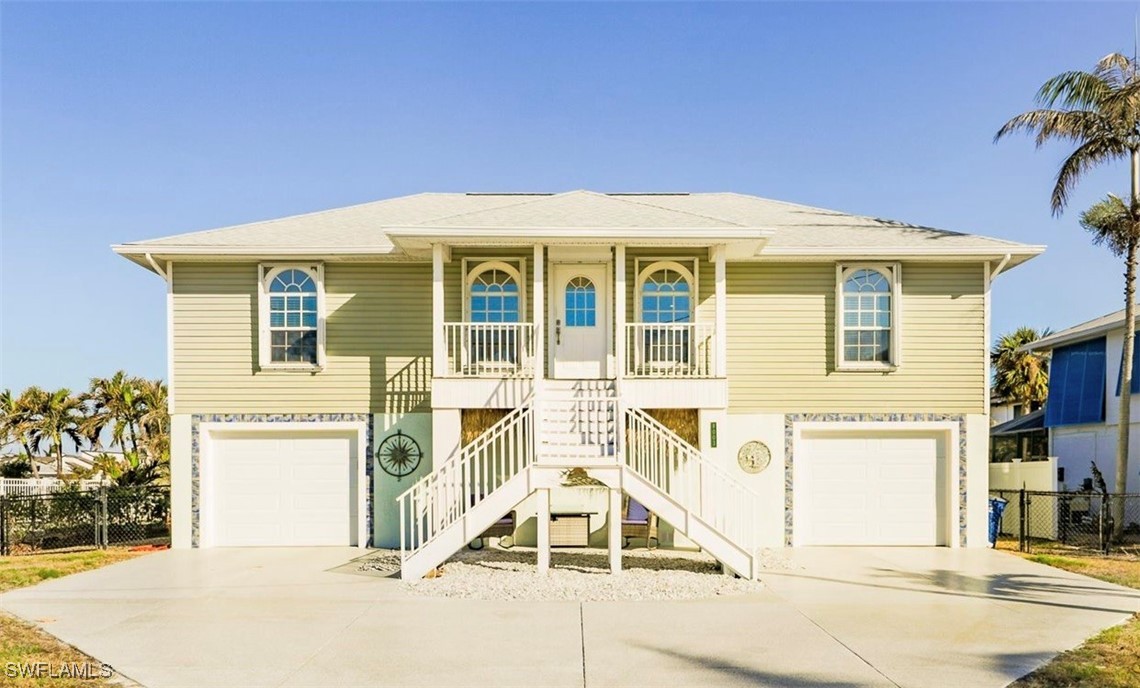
(438,342)
(721,368)
(538,301)
(543,520)
(619,311)
(615,530)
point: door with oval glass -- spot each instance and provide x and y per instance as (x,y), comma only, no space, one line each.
(580,305)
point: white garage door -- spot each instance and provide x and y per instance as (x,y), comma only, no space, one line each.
(285,490)
(867,490)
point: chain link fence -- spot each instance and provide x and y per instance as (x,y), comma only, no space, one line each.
(84,519)
(1076,521)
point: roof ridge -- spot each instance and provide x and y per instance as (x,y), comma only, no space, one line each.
(626,199)
(529,200)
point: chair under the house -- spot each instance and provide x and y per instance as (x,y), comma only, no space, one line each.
(638,523)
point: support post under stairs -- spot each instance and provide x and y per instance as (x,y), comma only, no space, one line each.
(543,531)
(615,530)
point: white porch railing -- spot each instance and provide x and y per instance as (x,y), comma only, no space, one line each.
(679,470)
(15,487)
(489,349)
(439,500)
(670,350)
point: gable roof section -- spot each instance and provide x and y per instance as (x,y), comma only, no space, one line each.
(1078,333)
(368,229)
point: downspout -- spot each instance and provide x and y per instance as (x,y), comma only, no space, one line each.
(996,271)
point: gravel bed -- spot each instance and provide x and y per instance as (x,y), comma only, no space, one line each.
(576,574)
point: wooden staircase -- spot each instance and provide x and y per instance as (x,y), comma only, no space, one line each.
(577,424)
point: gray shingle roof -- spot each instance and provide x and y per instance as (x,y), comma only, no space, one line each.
(797,228)
(1079,333)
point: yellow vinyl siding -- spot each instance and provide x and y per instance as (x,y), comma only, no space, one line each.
(781,342)
(378,342)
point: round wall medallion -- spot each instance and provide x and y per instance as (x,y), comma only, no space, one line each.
(754,456)
(399,455)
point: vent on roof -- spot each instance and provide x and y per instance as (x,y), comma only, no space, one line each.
(509,193)
(649,193)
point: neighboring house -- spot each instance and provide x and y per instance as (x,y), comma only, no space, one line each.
(1003,410)
(1023,438)
(1082,412)
(72,463)
(833,369)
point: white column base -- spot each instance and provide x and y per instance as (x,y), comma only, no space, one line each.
(543,516)
(615,531)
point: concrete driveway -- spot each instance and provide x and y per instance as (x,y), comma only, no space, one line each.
(838,617)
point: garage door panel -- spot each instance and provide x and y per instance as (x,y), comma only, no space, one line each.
(275,491)
(873,490)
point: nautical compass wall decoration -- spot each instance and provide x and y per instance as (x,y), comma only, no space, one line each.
(399,455)
(754,456)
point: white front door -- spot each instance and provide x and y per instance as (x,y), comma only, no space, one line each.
(580,315)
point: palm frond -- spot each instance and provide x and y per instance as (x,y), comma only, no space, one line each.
(1074,90)
(1094,152)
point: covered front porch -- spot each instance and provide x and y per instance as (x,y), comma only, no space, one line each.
(513,309)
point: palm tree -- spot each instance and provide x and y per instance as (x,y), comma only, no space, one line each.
(1099,112)
(59,415)
(1020,376)
(154,420)
(1116,225)
(116,403)
(16,416)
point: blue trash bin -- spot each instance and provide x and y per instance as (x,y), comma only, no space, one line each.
(997,508)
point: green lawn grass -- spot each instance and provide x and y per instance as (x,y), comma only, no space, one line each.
(1110,659)
(24,644)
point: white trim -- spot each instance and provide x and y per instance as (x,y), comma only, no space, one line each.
(620,294)
(206,432)
(987,278)
(860,252)
(170,338)
(721,331)
(893,273)
(438,343)
(518,272)
(952,467)
(539,318)
(265,274)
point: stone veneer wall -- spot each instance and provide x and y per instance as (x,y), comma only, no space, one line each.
(270,418)
(789,459)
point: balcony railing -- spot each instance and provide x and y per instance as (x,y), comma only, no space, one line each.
(672,350)
(489,349)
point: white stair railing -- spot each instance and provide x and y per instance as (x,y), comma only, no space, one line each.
(702,488)
(442,498)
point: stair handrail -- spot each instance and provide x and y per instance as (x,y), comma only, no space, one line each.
(682,472)
(444,496)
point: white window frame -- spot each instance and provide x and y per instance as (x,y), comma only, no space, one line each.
(652,265)
(515,267)
(266,273)
(893,274)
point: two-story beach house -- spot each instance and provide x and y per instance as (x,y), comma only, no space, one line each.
(405,373)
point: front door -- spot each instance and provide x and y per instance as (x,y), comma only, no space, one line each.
(580,311)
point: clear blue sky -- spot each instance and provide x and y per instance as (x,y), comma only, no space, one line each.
(131,121)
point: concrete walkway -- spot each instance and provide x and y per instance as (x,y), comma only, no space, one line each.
(838,617)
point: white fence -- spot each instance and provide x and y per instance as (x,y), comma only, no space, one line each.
(14,487)
(489,349)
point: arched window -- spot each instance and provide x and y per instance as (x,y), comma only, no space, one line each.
(581,303)
(494,297)
(665,300)
(665,293)
(867,321)
(292,311)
